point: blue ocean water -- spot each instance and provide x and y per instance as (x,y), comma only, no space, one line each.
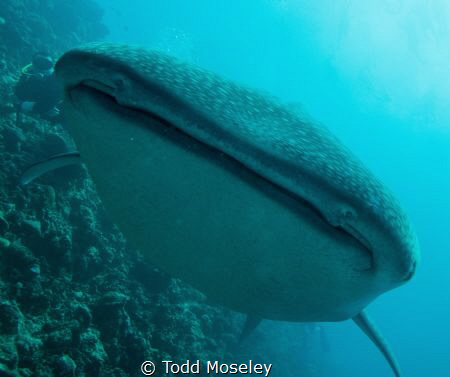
(376,73)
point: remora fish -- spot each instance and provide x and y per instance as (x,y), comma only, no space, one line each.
(244,198)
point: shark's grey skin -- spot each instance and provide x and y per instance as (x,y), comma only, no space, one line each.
(251,202)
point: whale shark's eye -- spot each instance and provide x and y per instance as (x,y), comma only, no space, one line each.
(343,216)
(347,213)
(119,82)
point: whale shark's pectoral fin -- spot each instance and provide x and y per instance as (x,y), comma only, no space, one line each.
(364,323)
(250,324)
(54,162)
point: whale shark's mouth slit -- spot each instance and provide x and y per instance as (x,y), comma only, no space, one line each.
(107,93)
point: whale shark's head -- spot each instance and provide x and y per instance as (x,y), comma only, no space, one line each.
(280,145)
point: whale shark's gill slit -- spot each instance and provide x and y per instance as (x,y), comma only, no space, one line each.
(207,151)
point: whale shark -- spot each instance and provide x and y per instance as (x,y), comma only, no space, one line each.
(243,197)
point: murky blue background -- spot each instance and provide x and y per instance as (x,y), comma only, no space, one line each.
(377,73)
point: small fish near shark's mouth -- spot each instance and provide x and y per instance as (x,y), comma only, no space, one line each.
(160,124)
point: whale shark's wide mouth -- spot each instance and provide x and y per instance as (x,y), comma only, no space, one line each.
(107,93)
